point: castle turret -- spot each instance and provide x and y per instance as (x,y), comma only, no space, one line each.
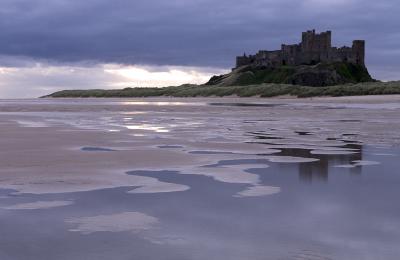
(359,52)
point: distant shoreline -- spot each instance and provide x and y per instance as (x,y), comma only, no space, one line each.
(261,90)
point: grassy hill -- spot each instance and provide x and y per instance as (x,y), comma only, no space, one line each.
(322,74)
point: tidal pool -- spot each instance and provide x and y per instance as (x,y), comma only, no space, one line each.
(225,179)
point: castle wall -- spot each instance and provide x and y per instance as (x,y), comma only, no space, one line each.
(290,54)
(268,58)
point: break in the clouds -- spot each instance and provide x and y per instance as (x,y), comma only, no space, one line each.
(39,79)
(187,34)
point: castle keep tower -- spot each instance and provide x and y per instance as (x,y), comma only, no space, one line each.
(312,42)
(314,48)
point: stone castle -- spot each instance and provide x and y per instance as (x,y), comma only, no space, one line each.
(313,49)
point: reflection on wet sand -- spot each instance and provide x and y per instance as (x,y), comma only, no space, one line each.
(319,170)
(348,154)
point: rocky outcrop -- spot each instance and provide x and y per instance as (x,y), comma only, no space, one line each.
(322,74)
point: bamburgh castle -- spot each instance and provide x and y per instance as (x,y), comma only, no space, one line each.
(314,48)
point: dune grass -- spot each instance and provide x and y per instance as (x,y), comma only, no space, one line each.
(261,90)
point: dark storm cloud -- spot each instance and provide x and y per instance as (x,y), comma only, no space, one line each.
(184,32)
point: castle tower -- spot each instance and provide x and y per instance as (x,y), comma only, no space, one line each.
(307,40)
(327,40)
(315,47)
(358,49)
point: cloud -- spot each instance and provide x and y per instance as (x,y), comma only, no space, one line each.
(178,33)
(183,33)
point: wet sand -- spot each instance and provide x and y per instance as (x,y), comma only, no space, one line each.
(130,169)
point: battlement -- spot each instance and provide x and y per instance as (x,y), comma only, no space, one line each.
(313,48)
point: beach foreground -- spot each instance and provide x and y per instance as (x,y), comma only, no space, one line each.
(189,178)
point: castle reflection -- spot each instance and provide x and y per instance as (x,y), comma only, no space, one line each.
(319,170)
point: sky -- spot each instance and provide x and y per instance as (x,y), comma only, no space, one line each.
(47,46)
